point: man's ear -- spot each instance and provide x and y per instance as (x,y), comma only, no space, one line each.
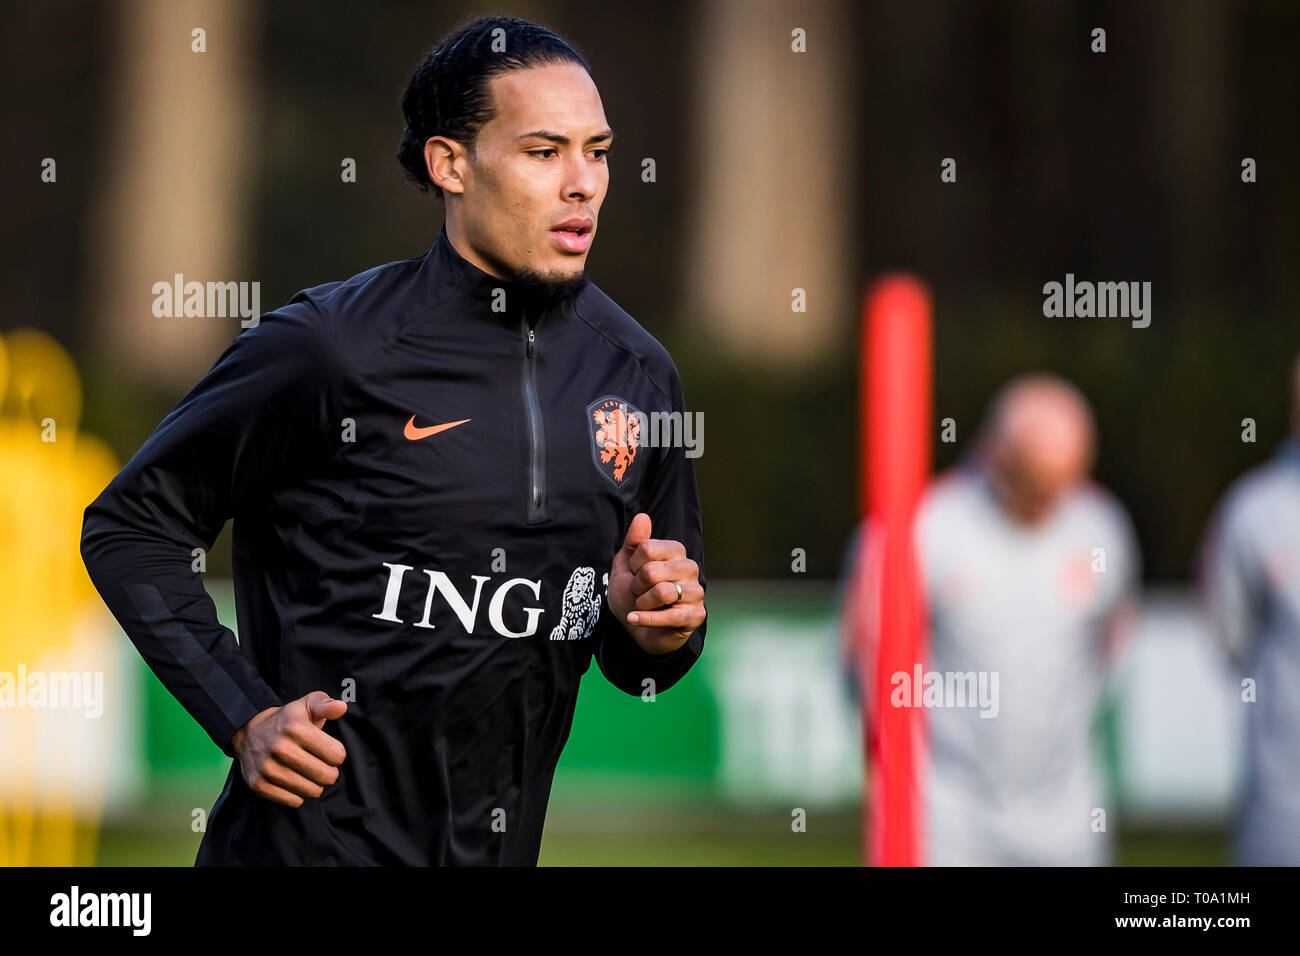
(445,159)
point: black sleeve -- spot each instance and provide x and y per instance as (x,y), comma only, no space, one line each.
(263,407)
(671,499)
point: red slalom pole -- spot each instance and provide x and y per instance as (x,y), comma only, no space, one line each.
(894,414)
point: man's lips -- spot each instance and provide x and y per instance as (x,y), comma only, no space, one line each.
(573,235)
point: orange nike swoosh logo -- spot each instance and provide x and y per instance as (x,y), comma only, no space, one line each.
(415,434)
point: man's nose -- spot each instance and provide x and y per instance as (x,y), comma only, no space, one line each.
(580,181)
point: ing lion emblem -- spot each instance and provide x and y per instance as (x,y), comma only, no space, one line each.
(580,607)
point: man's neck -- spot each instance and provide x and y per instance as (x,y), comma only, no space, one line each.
(460,242)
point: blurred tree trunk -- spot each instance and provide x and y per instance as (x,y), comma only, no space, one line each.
(1193,93)
(772,190)
(175,178)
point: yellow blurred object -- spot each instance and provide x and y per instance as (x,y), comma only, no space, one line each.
(49,474)
(42,381)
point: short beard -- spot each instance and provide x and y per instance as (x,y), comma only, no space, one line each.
(548,291)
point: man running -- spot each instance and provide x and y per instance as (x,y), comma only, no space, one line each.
(445,502)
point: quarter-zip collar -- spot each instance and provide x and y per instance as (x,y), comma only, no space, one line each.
(502,302)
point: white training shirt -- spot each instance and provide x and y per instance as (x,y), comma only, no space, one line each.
(1031,605)
(1250,577)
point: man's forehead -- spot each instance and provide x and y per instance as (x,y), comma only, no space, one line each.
(557,96)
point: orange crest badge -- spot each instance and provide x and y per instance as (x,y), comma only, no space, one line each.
(615,429)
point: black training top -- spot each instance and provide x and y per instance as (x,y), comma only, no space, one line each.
(429,471)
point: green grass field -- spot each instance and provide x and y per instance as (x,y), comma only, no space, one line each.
(673,837)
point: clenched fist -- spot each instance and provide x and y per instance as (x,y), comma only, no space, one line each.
(284,754)
(642,591)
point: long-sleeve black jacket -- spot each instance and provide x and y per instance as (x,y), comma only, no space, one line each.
(429,470)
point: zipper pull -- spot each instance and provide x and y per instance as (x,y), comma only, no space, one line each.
(530,343)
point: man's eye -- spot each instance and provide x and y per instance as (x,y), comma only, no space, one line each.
(600,153)
(542,153)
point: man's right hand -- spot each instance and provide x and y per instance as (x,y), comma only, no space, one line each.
(284,754)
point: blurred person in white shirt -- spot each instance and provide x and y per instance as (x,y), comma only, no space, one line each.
(1030,573)
(1250,582)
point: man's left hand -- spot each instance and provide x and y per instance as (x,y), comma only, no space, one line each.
(643,591)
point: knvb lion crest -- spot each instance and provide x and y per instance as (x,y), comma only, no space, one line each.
(615,429)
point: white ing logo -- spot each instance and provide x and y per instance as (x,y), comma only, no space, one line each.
(580,609)
(578,614)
